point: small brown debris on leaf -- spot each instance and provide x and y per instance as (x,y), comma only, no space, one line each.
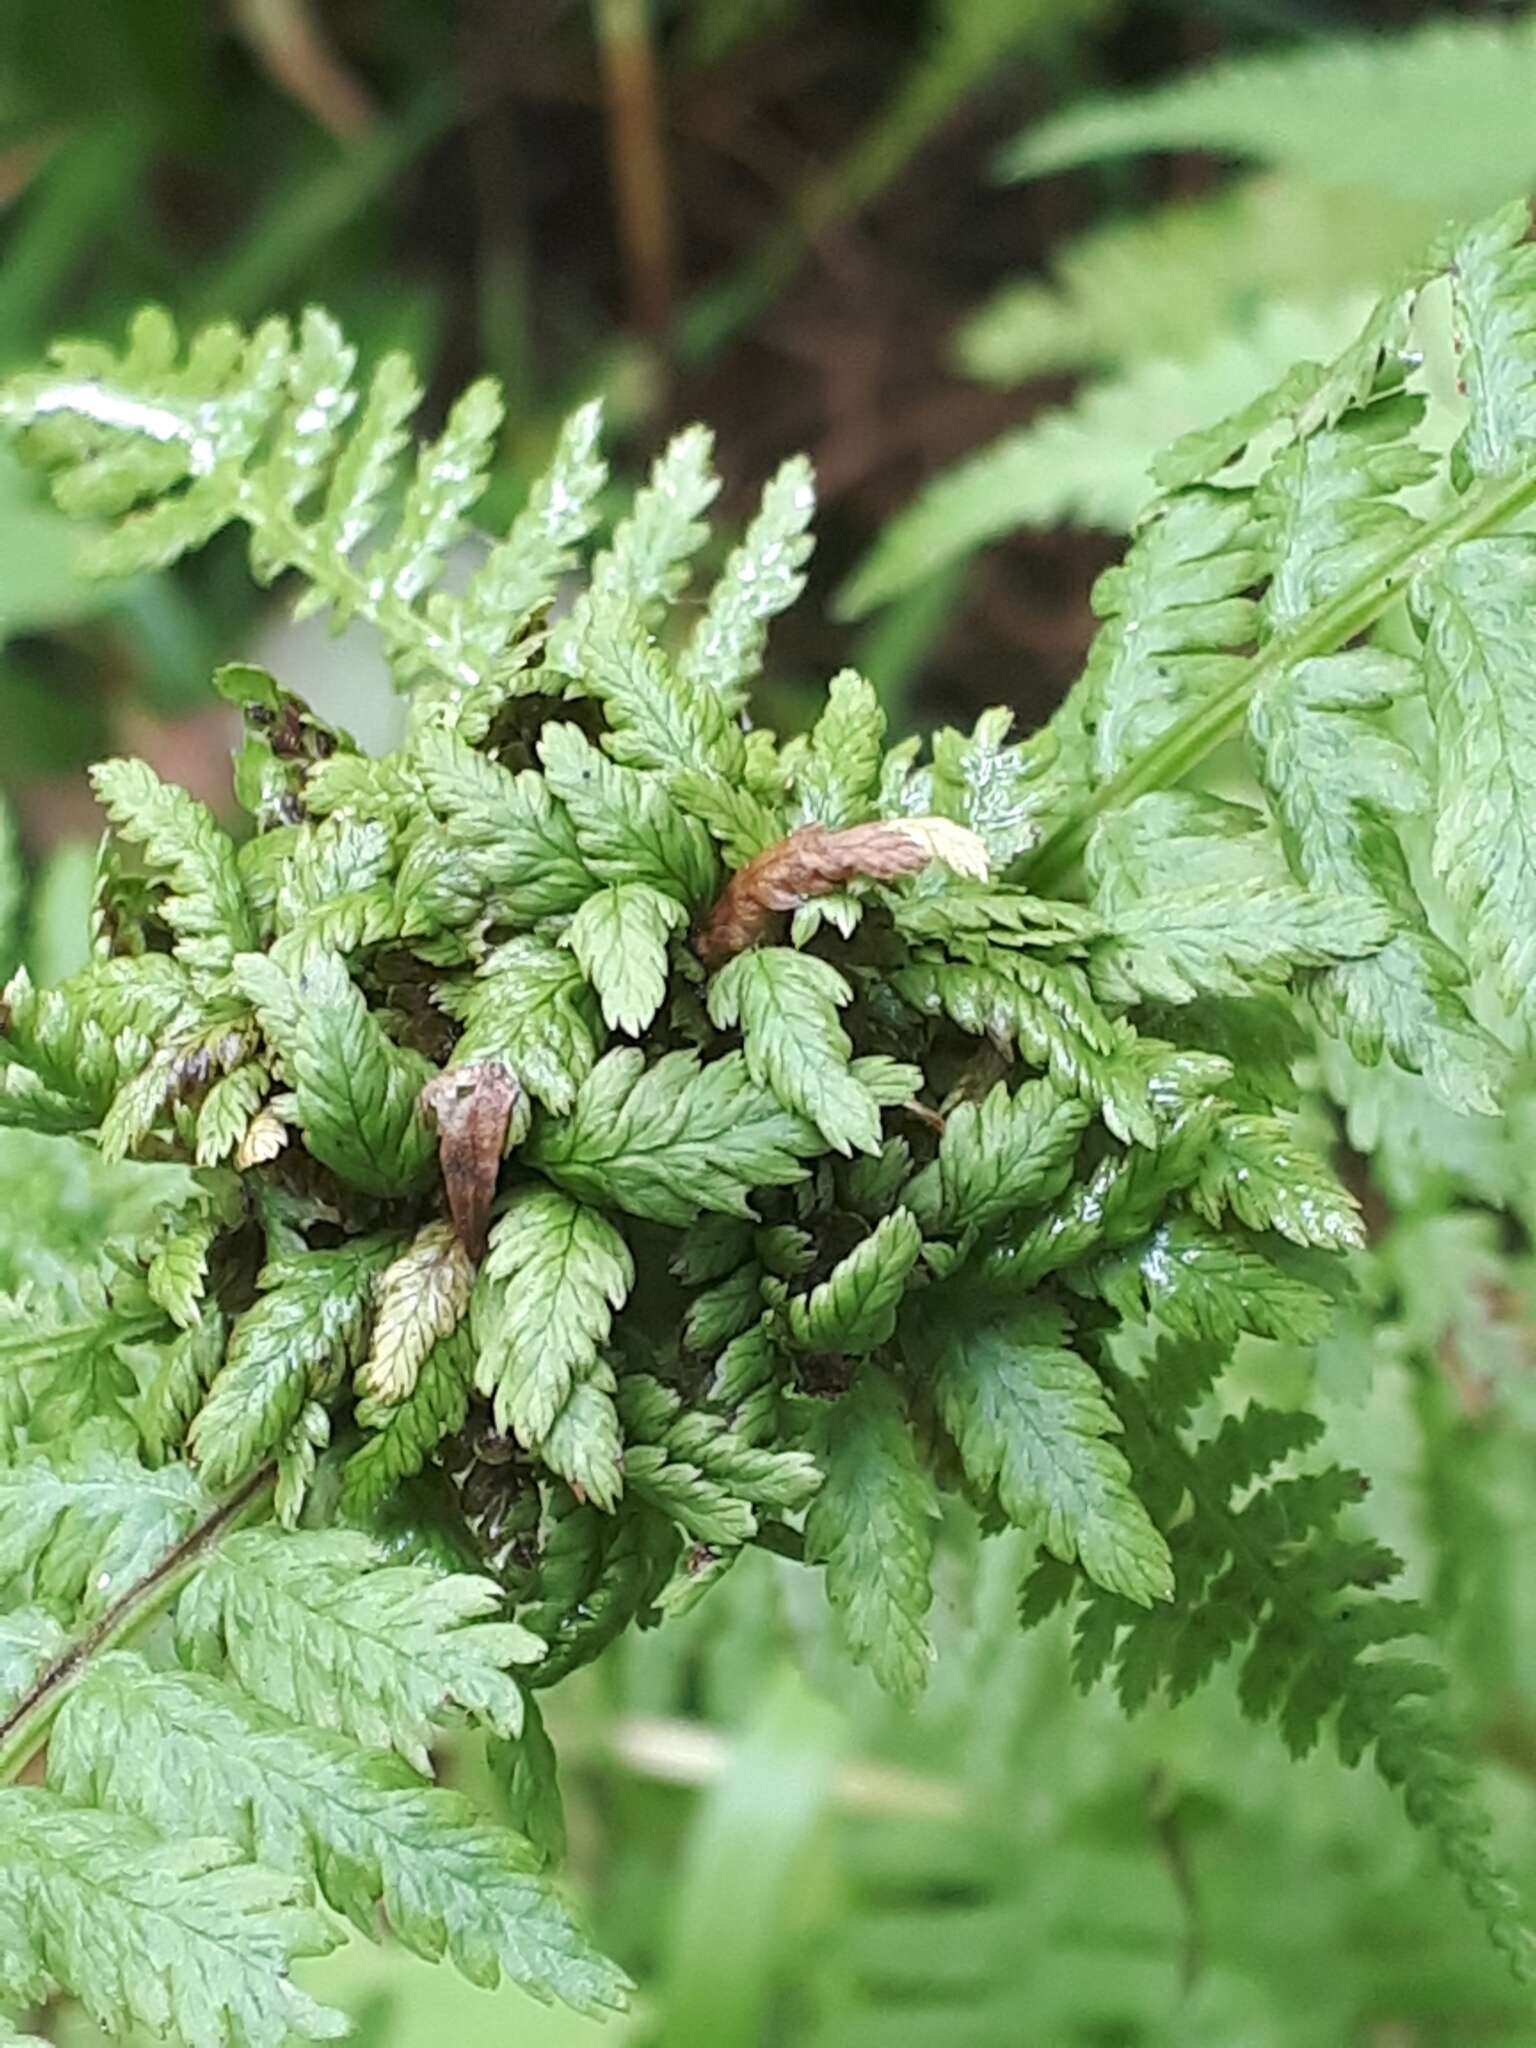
(817,860)
(473,1107)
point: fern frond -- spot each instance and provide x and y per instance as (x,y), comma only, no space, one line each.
(314,1626)
(997,1156)
(762,578)
(178,1937)
(530,1007)
(1162,284)
(510,836)
(669,1140)
(80,1042)
(1434,114)
(1313,1640)
(697,1470)
(871,1526)
(627,826)
(30,1639)
(556,1273)
(192,1757)
(271,1768)
(1032,1427)
(1474,610)
(249,430)
(300,1338)
(420,1300)
(357,1093)
(853,1310)
(1337,777)
(1090,463)
(524,571)
(647,562)
(786,1004)
(1177,611)
(65,1353)
(76,1528)
(664,1138)
(403,1435)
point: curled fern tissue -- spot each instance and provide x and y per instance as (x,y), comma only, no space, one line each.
(615,1136)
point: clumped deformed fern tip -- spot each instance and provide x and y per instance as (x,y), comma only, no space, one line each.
(616,1137)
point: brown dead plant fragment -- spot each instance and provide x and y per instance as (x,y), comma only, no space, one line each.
(817,860)
(473,1107)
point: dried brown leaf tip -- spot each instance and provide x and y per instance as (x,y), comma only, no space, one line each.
(473,1107)
(815,861)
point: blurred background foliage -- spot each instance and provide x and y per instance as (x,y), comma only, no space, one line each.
(980,258)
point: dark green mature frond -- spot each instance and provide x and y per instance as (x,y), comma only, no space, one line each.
(996,1156)
(297,1342)
(668,1140)
(711,1480)
(786,1004)
(357,1093)
(1030,1420)
(871,1526)
(555,1275)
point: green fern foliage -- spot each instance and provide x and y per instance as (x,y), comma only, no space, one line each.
(1090,463)
(1158,286)
(612,1138)
(1368,148)
(1238,1509)
(1435,115)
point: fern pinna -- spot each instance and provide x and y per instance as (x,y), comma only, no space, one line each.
(618,1137)
(1346,153)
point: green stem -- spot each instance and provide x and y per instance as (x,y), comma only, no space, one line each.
(1325,629)
(24,1730)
